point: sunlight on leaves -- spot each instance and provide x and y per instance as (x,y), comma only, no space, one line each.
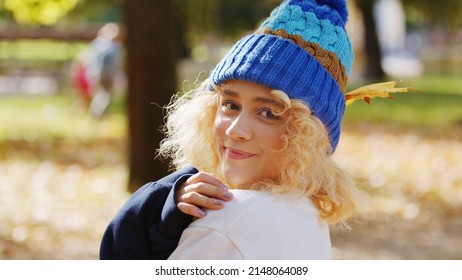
(36,12)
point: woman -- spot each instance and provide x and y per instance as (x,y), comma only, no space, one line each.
(264,125)
(275,152)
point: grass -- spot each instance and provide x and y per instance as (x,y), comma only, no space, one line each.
(55,117)
(42,49)
(437,106)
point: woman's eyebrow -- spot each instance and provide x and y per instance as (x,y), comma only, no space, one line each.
(272,101)
(259,99)
(229,92)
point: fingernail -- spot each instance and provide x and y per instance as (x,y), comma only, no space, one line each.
(218,202)
(201,213)
(228,194)
(223,187)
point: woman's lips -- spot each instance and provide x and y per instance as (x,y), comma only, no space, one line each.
(237,154)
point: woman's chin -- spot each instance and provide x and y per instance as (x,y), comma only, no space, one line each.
(237,178)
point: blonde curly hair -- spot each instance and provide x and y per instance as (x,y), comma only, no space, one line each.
(308,167)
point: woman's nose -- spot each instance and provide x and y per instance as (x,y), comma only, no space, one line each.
(240,128)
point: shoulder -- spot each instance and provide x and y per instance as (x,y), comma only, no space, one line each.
(258,207)
(266,225)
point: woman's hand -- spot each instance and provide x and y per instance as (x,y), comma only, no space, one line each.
(202,190)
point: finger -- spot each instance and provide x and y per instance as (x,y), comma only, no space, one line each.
(206,184)
(190,209)
(208,191)
(201,201)
(206,177)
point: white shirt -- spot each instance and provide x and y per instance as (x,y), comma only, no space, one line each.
(257,225)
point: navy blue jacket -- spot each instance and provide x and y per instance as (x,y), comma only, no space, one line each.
(149,225)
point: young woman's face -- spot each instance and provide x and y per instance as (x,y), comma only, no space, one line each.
(247,132)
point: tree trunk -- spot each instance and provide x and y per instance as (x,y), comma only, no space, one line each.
(151,57)
(372,48)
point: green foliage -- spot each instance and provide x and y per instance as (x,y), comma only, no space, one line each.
(443,12)
(39,12)
(50,12)
(223,17)
(97,11)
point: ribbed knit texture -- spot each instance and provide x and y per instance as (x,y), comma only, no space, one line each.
(301,49)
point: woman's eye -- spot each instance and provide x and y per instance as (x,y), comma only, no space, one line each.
(268,114)
(229,106)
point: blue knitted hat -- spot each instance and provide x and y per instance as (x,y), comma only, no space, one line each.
(302,49)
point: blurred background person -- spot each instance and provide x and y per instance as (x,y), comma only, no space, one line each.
(96,68)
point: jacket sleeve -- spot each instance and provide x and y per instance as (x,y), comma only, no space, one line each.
(200,243)
(149,225)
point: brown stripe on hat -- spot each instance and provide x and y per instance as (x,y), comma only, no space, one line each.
(328,59)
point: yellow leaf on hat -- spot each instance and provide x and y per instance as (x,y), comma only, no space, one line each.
(382,90)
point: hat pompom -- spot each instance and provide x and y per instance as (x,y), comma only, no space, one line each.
(338,5)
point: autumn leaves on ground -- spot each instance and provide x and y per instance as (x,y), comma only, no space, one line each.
(63,176)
